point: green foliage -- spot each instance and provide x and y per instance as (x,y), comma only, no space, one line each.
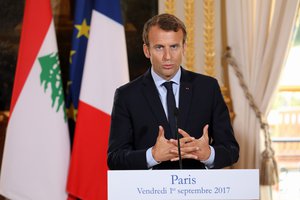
(295,101)
(297,37)
(286,99)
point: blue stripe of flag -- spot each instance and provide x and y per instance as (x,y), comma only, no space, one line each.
(110,8)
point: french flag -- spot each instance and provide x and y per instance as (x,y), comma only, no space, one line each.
(105,69)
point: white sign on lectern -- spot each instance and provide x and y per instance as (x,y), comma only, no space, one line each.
(183,184)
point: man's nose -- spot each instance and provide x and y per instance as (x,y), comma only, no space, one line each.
(167,55)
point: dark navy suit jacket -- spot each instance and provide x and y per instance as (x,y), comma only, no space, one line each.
(137,113)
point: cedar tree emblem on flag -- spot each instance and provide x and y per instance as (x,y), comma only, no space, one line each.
(51,74)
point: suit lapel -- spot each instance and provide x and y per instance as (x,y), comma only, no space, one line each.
(152,97)
(185,97)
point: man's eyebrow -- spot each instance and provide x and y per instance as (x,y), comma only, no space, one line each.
(175,44)
(158,45)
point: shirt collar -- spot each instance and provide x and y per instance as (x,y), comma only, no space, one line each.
(159,80)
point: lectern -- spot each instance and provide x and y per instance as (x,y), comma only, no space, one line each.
(183,184)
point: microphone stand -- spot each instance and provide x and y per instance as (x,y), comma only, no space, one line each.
(176,113)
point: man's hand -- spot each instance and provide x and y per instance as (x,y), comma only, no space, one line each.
(163,149)
(197,149)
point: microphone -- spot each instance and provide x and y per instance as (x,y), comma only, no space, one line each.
(176,113)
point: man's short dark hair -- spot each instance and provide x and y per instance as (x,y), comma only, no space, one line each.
(166,22)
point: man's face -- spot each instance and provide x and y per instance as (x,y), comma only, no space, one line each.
(165,51)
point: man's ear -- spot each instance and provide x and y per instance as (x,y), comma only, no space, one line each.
(146,51)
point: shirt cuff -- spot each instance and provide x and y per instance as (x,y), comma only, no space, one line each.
(209,163)
(150,160)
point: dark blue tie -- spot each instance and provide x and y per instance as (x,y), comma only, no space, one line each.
(171,104)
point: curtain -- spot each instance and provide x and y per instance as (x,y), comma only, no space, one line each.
(259,33)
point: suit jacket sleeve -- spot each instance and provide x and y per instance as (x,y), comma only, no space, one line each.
(121,154)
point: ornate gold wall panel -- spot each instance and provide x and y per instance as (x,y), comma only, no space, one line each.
(225,89)
(170,6)
(209,37)
(190,27)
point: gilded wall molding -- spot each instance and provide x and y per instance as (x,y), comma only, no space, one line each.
(190,27)
(209,37)
(225,88)
(170,6)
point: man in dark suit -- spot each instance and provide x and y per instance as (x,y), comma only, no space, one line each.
(142,134)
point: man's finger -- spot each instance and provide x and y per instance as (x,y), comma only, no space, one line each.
(161,131)
(183,133)
(186,140)
(189,156)
(205,132)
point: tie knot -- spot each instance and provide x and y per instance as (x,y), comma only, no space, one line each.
(168,85)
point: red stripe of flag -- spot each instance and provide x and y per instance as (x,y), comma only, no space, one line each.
(91,123)
(35,26)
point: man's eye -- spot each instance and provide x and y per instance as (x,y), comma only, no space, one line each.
(174,47)
(159,47)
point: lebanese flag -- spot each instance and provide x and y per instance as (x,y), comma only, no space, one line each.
(105,69)
(37,146)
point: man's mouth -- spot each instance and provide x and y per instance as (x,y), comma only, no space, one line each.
(168,66)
